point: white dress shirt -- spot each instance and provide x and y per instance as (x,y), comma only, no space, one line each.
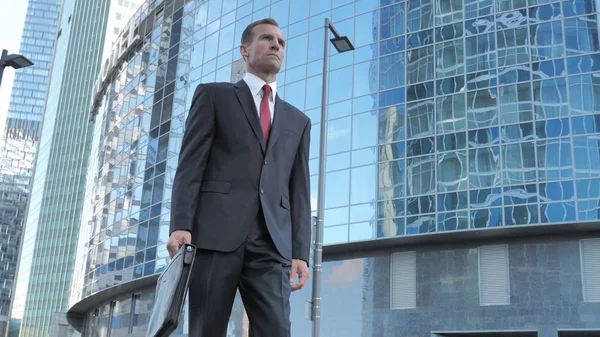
(256,84)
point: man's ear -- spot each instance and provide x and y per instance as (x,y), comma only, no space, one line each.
(244,51)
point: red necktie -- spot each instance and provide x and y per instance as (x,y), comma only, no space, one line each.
(265,113)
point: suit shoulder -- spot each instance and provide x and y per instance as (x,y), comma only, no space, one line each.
(214,86)
(299,114)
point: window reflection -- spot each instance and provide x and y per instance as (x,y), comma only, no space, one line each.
(420,175)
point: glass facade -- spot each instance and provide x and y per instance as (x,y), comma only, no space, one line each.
(450,116)
(20,138)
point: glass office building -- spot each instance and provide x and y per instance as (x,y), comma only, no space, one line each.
(20,136)
(462,187)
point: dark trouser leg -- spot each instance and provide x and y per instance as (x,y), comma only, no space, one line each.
(265,286)
(213,285)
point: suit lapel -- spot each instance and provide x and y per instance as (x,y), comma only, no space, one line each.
(244,96)
(277,125)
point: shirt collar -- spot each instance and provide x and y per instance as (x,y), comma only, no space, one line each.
(255,84)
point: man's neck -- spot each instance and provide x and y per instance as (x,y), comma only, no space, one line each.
(269,78)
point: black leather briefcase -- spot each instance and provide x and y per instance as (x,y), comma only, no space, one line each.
(171,290)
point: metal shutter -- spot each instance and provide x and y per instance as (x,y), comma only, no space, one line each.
(494,282)
(590,269)
(403,280)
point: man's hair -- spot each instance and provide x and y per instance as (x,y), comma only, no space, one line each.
(247,34)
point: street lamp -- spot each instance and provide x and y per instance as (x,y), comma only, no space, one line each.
(16,61)
(342,44)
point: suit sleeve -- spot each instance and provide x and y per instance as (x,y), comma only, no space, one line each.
(193,157)
(300,200)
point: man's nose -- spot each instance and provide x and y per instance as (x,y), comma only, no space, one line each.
(275,46)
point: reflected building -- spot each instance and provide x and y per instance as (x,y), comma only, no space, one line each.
(20,137)
(84,31)
(462,190)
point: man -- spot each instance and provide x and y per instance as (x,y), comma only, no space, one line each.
(241,194)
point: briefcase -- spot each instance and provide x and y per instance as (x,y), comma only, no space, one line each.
(171,290)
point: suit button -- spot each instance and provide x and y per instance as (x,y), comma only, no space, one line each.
(262,191)
(266,162)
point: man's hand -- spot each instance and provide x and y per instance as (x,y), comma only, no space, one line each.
(300,268)
(176,240)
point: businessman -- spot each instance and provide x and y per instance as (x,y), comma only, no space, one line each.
(241,194)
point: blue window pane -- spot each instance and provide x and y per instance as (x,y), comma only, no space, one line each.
(545,12)
(452,201)
(314,92)
(149,268)
(364,212)
(365,5)
(365,78)
(315,46)
(561,212)
(337,234)
(391,71)
(583,64)
(363,184)
(485,197)
(364,130)
(392,45)
(419,39)
(340,109)
(453,221)
(338,135)
(298,10)
(581,35)
(547,40)
(578,7)
(391,97)
(342,13)
(391,183)
(319,6)
(420,224)
(552,128)
(550,98)
(337,189)
(364,156)
(520,194)
(298,28)
(296,94)
(392,21)
(588,188)
(280,12)
(521,215)
(587,156)
(557,191)
(586,124)
(547,69)
(340,87)
(588,210)
(296,51)
(335,216)
(390,227)
(362,231)
(366,29)
(338,161)
(420,15)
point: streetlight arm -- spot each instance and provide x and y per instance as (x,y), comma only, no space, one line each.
(332,29)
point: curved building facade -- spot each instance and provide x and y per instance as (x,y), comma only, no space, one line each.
(462,187)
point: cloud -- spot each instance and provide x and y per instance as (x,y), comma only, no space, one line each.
(346,272)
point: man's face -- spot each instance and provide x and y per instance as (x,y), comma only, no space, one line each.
(265,53)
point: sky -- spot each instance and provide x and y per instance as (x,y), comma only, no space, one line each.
(11,28)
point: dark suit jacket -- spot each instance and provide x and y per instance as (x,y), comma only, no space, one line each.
(225,173)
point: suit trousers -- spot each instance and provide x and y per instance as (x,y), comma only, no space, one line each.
(259,272)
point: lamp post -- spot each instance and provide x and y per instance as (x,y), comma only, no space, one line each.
(16,61)
(342,44)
